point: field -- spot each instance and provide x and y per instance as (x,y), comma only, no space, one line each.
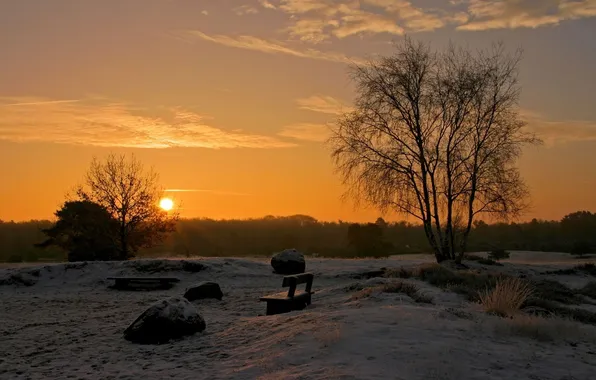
(415,321)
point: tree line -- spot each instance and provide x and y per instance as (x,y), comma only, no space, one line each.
(263,236)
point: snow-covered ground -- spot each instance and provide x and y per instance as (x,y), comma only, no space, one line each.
(68,325)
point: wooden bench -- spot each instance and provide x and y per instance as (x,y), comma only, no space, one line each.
(143,282)
(285,302)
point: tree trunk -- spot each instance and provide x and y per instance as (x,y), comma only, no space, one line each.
(123,243)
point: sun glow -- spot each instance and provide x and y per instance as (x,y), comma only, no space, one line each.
(166,204)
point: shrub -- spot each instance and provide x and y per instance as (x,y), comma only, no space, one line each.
(468,283)
(507,297)
(589,290)
(588,268)
(498,254)
(580,248)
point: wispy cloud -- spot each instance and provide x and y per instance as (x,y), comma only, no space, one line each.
(500,14)
(266,4)
(37,103)
(306,132)
(245,10)
(273,47)
(320,20)
(559,131)
(218,192)
(116,125)
(323,104)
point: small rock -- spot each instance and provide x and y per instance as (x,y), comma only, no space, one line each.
(202,290)
(168,319)
(192,266)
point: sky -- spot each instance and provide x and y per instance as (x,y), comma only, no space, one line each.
(231,100)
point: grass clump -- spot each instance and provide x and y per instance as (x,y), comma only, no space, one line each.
(409,289)
(506,298)
(468,282)
(555,291)
(482,260)
(589,290)
(587,268)
(543,329)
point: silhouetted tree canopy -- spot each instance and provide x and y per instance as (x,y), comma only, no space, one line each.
(368,240)
(131,195)
(85,230)
(435,136)
(263,236)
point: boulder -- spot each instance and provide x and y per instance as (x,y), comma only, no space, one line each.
(167,319)
(288,261)
(205,289)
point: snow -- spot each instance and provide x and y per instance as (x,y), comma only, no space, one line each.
(69,324)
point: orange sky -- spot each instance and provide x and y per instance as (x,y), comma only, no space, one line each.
(230,99)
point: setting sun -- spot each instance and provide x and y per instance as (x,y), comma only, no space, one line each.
(166,204)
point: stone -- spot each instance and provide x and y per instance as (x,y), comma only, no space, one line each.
(168,319)
(205,289)
(289,261)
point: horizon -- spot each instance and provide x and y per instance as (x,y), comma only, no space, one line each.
(230,101)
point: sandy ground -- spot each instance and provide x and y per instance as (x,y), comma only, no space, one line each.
(69,325)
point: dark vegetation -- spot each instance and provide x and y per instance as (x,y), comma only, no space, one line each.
(548,297)
(261,237)
(113,214)
(398,286)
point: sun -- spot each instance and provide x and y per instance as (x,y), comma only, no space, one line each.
(166,204)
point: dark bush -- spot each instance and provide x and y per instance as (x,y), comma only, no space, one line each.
(498,254)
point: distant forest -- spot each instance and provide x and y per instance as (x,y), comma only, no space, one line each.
(262,237)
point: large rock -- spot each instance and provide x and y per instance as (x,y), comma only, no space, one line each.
(288,261)
(170,318)
(205,289)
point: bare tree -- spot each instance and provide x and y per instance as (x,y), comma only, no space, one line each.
(435,135)
(131,195)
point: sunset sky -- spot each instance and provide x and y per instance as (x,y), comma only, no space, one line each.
(229,99)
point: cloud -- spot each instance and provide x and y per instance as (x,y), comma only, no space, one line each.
(512,14)
(318,20)
(266,4)
(306,132)
(218,192)
(37,103)
(559,131)
(272,47)
(322,104)
(245,10)
(94,123)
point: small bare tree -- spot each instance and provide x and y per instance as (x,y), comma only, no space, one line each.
(435,135)
(131,195)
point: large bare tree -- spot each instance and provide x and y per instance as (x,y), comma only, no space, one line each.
(435,135)
(131,195)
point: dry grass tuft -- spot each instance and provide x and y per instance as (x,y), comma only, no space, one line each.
(507,297)
(544,329)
